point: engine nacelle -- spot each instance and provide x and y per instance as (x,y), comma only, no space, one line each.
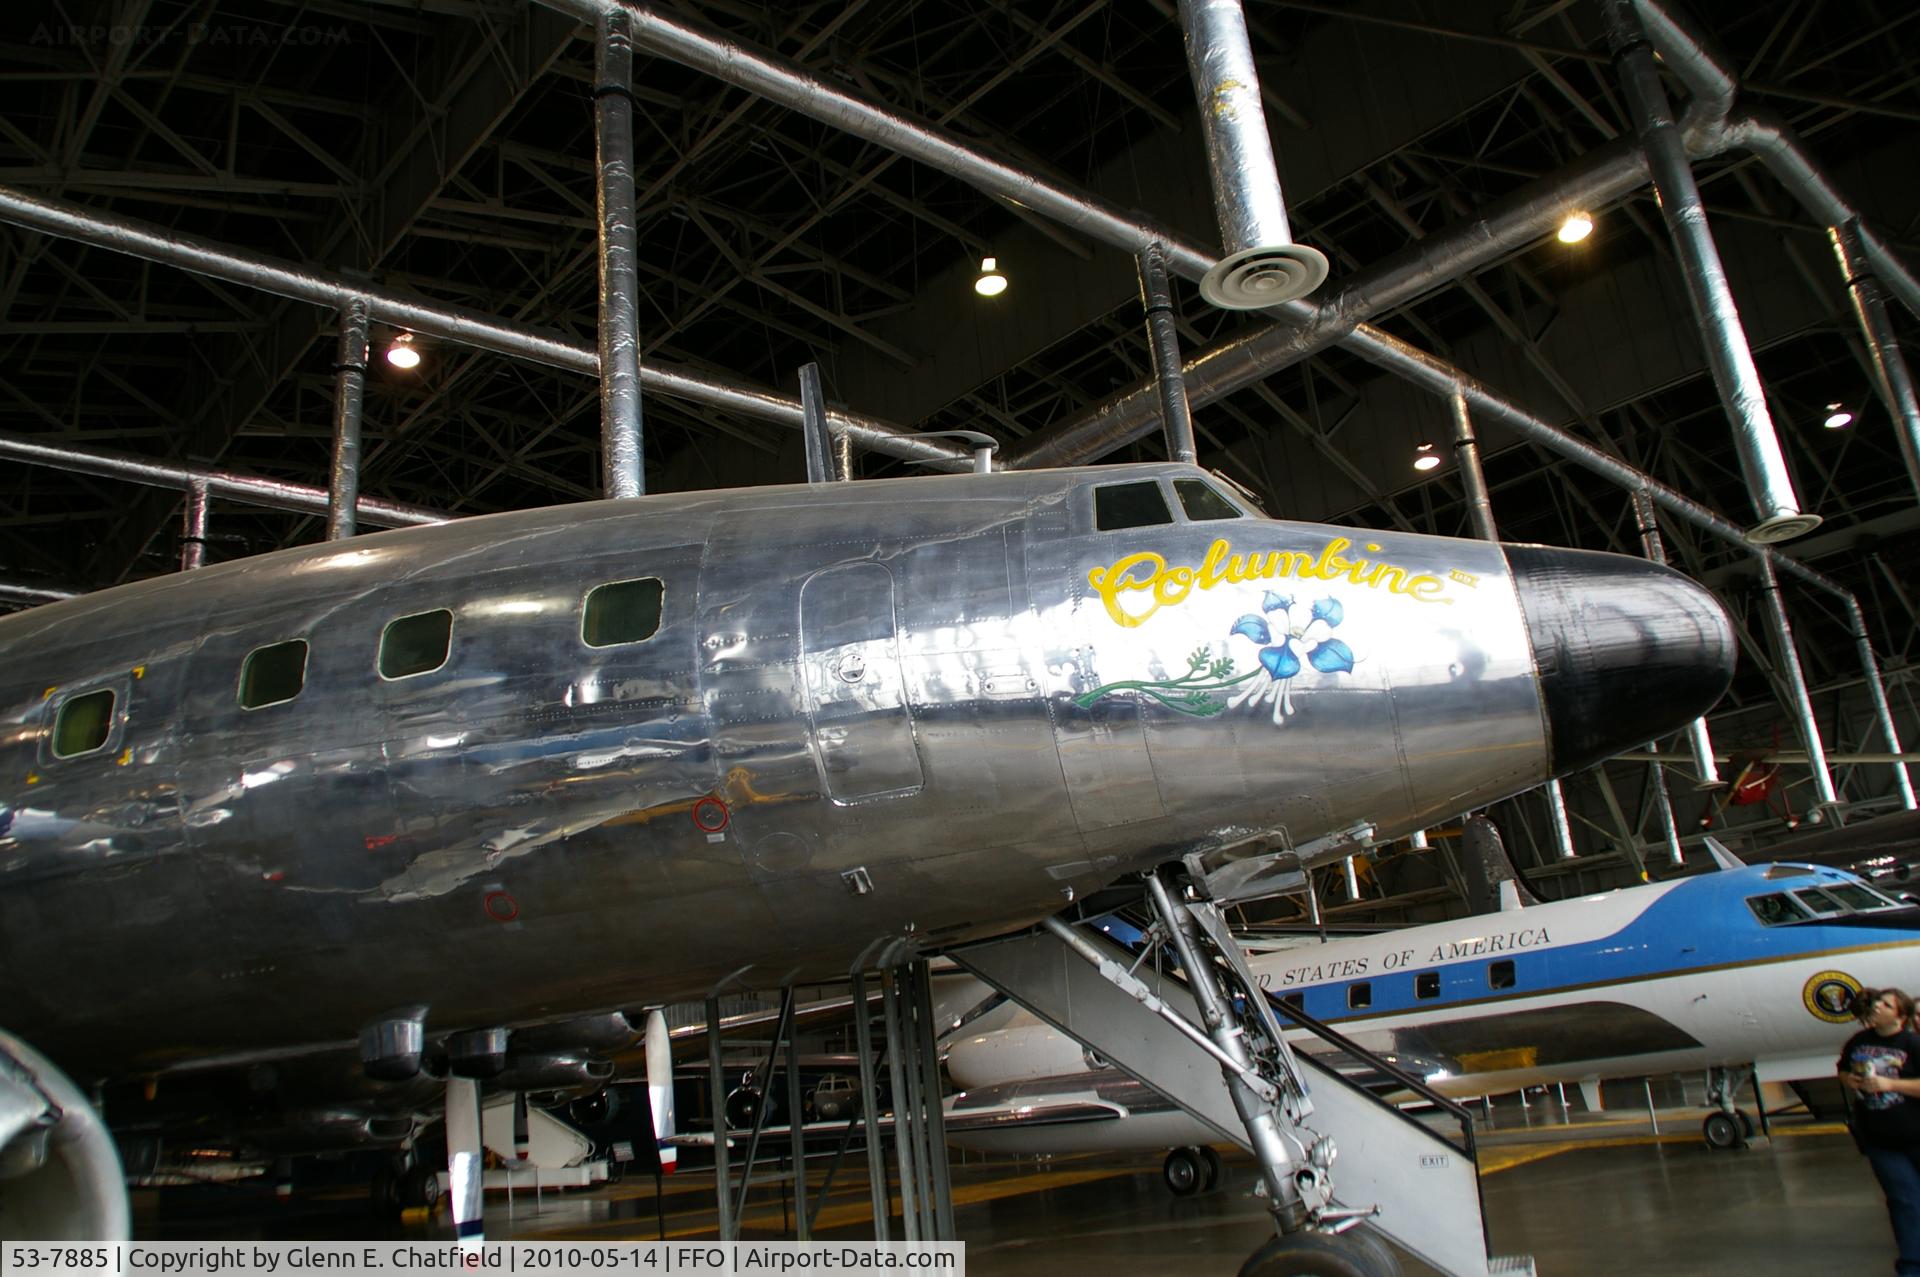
(60,1177)
(552,1071)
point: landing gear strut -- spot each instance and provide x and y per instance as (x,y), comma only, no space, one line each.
(1265,1083)
(1728,1127)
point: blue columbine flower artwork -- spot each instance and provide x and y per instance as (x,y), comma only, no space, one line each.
(1291,637)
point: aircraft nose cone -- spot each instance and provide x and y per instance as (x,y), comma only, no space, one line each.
(1627,650)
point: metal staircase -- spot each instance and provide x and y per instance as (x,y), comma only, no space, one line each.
(1295,1113)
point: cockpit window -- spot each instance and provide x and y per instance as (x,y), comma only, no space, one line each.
(1201,502)
(1129,505)
(83,724)
(1855,897)
(1818,901)
(1775,909)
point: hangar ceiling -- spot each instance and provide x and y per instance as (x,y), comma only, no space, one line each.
(446,148)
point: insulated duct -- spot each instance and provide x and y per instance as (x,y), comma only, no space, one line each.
(1263,266)
(451,323)
(621,451)
(1724,338)
(349,391)
(275,494)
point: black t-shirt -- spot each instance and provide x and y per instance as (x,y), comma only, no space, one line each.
(1885,1119)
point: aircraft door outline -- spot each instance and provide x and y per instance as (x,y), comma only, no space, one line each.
(859,722)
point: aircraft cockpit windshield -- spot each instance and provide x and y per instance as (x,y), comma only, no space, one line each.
(1831,900)
(1142,503)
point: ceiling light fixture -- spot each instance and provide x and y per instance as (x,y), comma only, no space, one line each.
(402,353)
(991,282)
(1576,228)
(1837,416)
(1425,457)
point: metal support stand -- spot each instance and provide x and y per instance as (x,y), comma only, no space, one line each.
(716,1092)
(932,1121)
(870,1111)
(903,1143)
(796,1126)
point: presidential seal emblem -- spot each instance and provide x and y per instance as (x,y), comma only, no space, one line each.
(1829,996)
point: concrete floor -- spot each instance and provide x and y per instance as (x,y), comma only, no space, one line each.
(1602,1196)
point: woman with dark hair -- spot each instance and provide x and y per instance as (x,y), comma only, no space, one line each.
(1880,1069)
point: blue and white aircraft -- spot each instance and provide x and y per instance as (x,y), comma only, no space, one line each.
(1751,966)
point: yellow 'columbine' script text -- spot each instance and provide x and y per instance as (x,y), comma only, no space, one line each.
(1147,573)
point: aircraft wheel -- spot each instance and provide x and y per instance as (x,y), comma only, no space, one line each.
(420,1187)
(1211,1165)
(1746,1124)
(383,1190)
(1321,1255)
(1721,1131)
(1184,1171)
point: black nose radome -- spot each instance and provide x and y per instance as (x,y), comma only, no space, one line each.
(1627,650)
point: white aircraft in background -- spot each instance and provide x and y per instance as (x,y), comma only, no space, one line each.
(1750,966)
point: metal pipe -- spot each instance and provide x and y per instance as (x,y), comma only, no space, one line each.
(1728,355)
(1647,522)
(619,335)
(1466,454)
(1798,698)
(1557,815)
(248,489)
(819,97)
(1353,878)
(1466,450)
(1711,130)
(1891,377)
(15,591)
(349,386)
(1657,777)
(716,1093)
(1877,691)
(451,323)
(1163,340)
(870,1109)
(1598,178)
(1262,266)
(193,527)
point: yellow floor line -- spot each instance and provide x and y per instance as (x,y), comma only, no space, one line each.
(859,1211)
(1495,1160)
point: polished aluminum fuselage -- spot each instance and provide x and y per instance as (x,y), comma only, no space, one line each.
(956,686)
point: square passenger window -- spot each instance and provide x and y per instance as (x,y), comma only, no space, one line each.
(1360,996)
(623,612)
(84,723)
(1500,974)
(274,674)
(1129,505)
(1296,1000)
(1201,502)
(1426,984)
(416,644)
